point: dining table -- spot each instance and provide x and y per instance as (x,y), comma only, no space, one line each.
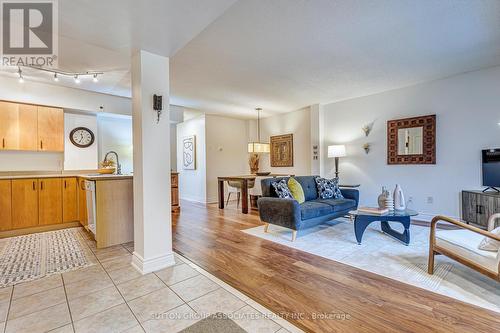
(244,180)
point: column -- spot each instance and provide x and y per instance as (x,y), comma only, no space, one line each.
(152,201)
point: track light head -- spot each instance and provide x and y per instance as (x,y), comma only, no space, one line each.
(95,79)
(56,78)
(77,79)
(20,73)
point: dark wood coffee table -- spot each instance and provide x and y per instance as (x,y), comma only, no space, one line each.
(362,220)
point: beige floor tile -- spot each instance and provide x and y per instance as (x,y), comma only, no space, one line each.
(172,321)
(124,274)
(117,263)
(91,272)
(194,287)
(41,321)
(140,286)
(155,303)
(282,330)
(36,286)
(175,274)
(87,286)
(93,303)
(216,301)
(4,308)
(135,329)
(112,254)
(25,305)
(254,321)
(279,320)
(5,294)
(116,319)
(65,329)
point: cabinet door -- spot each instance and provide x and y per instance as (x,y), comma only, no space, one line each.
(82,203)
(50,129)
(24,203)
(27,135)
(70,200)
(5,205)
(469,210)
(487,206)
(50,201)
(8,125)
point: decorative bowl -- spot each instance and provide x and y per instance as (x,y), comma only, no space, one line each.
(106,171)
(263,173)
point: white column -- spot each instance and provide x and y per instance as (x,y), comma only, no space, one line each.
(152,202)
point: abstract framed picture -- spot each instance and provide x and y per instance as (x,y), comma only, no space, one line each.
(282,150)
(189,152)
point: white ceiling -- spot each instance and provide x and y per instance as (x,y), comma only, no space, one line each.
(281,55)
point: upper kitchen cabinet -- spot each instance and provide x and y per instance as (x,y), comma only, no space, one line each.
(18,126)
(50,129)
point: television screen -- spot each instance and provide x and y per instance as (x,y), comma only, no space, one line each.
(491,167)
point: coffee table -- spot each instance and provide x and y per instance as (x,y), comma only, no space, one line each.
(363,220)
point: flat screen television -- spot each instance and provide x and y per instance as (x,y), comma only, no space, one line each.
(491,168)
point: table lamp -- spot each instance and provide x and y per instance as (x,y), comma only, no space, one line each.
(336,151)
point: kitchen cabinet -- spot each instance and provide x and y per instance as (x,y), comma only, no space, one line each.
(5,205)
(24,203)
(82,202)
(50,129)
(70,199)
(50,201)
(18,126)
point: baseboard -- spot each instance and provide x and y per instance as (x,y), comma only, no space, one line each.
(152,264)
(32,230)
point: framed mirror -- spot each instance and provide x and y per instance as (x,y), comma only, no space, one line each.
(412,140)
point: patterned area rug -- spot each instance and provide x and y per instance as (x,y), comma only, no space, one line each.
(34,256)
(216,323)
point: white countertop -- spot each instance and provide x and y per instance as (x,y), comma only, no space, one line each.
(89,176)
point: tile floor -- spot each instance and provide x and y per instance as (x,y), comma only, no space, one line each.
(111,296)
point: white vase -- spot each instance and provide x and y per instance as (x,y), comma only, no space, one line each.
(389,201)
(399,198)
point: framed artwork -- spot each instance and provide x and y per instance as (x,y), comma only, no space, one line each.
(412,140)
(282,150)
(189,152)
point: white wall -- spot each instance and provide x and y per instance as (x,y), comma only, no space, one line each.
(30,161)
(226,140)
(467,109)
(297,123)
(192,183)
(115,133)
(76,158)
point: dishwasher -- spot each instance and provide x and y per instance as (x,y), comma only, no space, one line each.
(89,187)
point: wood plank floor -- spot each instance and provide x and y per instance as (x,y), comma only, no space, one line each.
(314,293)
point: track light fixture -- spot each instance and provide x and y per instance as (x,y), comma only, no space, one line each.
(20,73)
(57,74)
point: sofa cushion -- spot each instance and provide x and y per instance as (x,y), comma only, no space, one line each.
(465,243)
(339,204)
(490,244)
(328,188)
(312,209)
(296,190)
(282,190)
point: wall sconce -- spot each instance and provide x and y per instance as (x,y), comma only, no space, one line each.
(367,129)
(366,147)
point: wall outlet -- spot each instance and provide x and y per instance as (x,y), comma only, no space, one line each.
(430,200)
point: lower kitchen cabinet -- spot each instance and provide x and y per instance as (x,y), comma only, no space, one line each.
(70,199)
(5,205)
(82,202)
(24,203)
(50,201)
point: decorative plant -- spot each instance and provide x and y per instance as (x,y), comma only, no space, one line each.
(107,164)
(253,162)
(366,147)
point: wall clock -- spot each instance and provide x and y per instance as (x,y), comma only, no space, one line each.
(82,137)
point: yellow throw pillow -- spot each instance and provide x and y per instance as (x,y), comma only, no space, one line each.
(296,190)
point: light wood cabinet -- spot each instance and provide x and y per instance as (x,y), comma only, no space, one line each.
(24,203)
(174,183)
(50,201)
(70,199)
(50,129)
(27,133)
(5,205)
(8,125)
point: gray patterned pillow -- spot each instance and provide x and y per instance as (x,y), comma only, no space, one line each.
(328,188)
(282,190)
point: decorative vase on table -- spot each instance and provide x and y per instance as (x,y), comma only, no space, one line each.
(399,198)
(382,197)
(389,201)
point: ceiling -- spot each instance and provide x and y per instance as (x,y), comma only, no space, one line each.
(228,57)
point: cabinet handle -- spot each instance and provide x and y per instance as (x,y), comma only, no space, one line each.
(41,144)
(64,183)
(41,185)
(34,186)
(3,143)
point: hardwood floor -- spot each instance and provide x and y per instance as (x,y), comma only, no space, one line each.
(314,293)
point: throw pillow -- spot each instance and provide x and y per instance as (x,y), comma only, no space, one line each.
(282,189)
(296,190)
(488,244)
(328,188)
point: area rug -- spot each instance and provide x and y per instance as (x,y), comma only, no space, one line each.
(381,254)
(30,257)
(216,323)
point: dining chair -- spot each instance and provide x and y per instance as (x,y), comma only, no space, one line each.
(235,187)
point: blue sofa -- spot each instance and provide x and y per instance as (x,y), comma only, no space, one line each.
(290,214)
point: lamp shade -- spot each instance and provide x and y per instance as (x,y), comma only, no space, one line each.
(258,147)
(336,151)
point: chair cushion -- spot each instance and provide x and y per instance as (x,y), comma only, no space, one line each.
(339,204)
(312,209)
(489,244)
(465,244)
(328,188)
(296,190)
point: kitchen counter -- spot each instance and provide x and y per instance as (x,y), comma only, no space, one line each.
(89,176)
